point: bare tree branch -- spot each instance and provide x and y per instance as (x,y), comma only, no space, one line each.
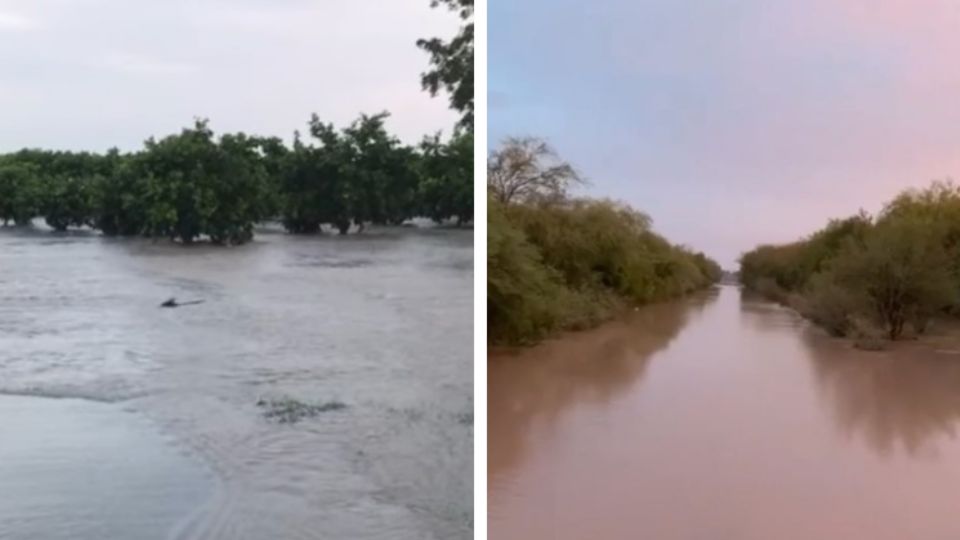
(528,170)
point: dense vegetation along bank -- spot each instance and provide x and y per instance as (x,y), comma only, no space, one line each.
(559,262)
(193,185)
(871,277)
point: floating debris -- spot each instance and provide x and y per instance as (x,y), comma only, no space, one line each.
(291,411)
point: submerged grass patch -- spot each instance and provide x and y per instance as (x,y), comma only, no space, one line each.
(291,411)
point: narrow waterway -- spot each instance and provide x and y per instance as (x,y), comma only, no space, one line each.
(724,417)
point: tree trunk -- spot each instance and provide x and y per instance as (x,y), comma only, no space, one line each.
(895,323)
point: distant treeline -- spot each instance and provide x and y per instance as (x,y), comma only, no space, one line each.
(194,185)
(558,262)
(870,277)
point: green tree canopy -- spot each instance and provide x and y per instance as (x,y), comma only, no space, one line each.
(452,63)
(894,272)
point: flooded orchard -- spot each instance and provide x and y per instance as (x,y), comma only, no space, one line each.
(724,417)
(322,389)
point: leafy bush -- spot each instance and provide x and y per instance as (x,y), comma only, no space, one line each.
(574,262)
(858,275)
(525,298)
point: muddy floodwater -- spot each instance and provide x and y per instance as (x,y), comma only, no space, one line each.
(723,417)
(322,389)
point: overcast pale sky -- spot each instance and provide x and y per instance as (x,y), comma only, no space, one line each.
(91,74)
(735,122)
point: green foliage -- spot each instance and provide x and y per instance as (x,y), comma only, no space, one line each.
(599,244)
(193,185)
(899,274)
(190,185)
(447,171)
(569,263)
(309,184)
(362,174)
(452,63)
(380,181)
(67,201)
(938,207)
(893,274)
(525,298)
(19,193)
(790,266)
(708,267)
(119,198)
(827,303)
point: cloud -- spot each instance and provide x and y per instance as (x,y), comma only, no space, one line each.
(102,73)
(13,21)
(144,65)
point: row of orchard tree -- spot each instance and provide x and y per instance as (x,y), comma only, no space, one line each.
(555,261)
(871,277)
(196,185)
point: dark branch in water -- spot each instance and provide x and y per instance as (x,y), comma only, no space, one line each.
(172,302)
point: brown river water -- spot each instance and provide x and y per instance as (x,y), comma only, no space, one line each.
(122,420)
(722,417)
